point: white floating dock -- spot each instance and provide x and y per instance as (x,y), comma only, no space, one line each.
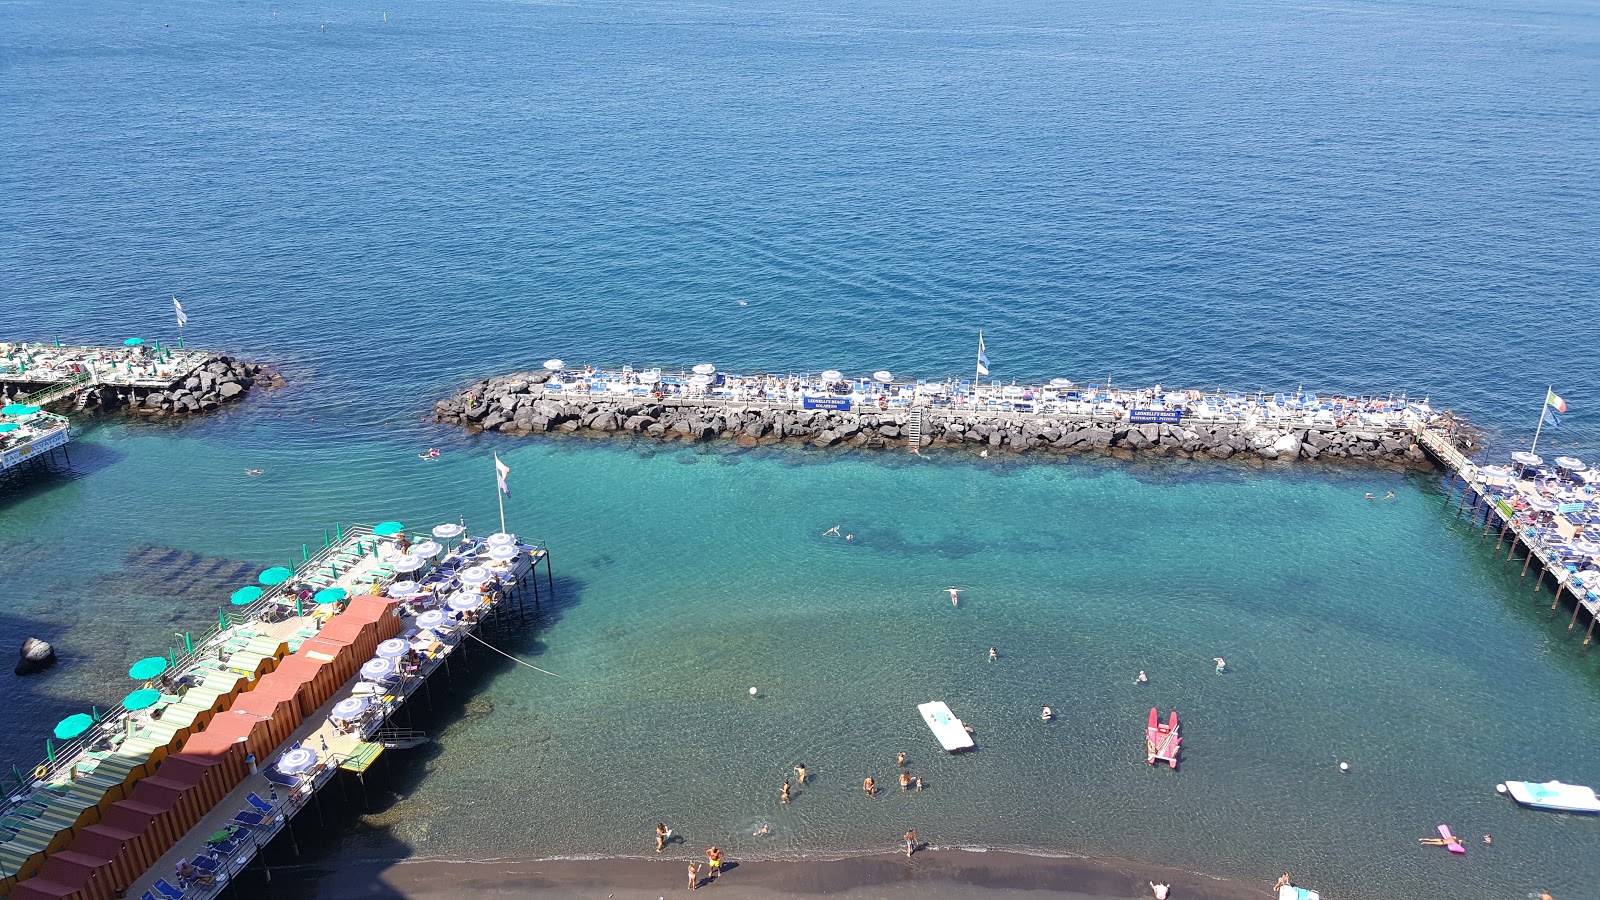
(952,734)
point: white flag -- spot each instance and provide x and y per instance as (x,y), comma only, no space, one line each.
(182,319)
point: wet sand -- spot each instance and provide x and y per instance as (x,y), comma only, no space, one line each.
(931,874)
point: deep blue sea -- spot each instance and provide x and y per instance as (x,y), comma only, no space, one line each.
(1351,196)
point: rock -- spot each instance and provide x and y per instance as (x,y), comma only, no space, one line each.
(1288,445)
(230,389)
(36,656)
(826,439)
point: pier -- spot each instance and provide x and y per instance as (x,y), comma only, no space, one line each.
(301,680)
(138,377)
(882,411)
(29,437)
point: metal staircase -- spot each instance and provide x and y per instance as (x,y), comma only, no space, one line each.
(914,428)
(400,738)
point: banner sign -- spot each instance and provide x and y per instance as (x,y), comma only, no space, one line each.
(48,441)
(841,404)
(1162,416)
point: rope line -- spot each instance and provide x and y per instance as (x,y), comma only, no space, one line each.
(510,657)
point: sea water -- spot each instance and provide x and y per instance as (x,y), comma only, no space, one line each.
(1357,197)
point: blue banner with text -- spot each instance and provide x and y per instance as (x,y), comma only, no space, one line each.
(836,403)
(1163,416)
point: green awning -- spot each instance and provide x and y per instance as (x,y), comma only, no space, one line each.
(149,667)
(72,726)
(384,529)
(141,700)
(8,426)
(133,342)
(275,575)
(18,409)
(245,596)
(331,595)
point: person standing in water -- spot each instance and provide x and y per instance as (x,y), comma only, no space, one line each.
(869,786)
(1141,679)
(1222,664)
(993,654)
(911,841)
(905,781)
(784,798)
(800,773)
(1045,714)
(661,836)
(900,759)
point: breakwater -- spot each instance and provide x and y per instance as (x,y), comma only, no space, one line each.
(153,380)
(882,412)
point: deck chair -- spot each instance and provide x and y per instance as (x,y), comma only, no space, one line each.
(167,890)
(246,817)
(280,779)
(261,805)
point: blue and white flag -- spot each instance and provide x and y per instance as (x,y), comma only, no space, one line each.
(983,358)
(501,470)
(182,319)
(1550,417)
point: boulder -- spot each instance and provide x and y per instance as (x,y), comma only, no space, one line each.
(230,389)
(36,656)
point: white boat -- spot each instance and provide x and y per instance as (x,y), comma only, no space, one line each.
(1290,892)
(950,731)
(1552,795)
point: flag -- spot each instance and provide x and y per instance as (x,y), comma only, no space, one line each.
(1557,402)
(983,358)
(501,470)
(1551,419)
(182,319)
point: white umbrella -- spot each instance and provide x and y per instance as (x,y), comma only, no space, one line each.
(1061,382)
(554,365)
(1524,458)
(1571,463)
(883,375)
(465,602)
(648,378)
(705,369)
(403,589)
(700,380)
(832,375)
(433,618)
(501,537)
(475,575)
(503,552)
(1012,390)
(426,549)
(447,531)
(409,563)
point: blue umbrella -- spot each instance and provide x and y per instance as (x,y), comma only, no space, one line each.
(393,648)
(401,589)
(351,707)
(149,667)
(433,618)
(330,595)
(141,700)
(475,575)
(1524,458)
(133,342)
(18,409)
(8,426)
(377,669)
(72,726)
(465,602)
(447,531)
(245,596)
(296,761)
(409,563)
(275,575)
(384,529)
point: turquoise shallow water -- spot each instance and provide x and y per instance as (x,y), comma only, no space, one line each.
(1356,196)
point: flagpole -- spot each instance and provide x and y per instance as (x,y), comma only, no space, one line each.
(1540,427)
(977,367)
(500,495)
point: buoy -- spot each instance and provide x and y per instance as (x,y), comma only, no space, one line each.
(752,692)
(1344,767)
(1500,788)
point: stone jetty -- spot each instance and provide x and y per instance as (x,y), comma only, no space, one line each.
(860,414)
(131,379)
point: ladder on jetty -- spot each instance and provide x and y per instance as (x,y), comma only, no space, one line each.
(73,385)
(914,429)
(400,738)
(1441,447)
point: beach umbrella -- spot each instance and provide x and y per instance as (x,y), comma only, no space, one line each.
(147,668)
(1584,547)
(500,538)
(141,700)
(433,618)
(72,726)
(409,563)
(464,602)
(503,552)
(426,549)
(832,375)
(1524,458)
(275,575)
(474,575)
(386,529)
(649,377)
(1571,463)
(350,707)
(1061,382)
(393,648)
(330,595)
(1013,390)
(1495,472)
(701,380)
(8,426)
(245,596)
(883,376)
(1543,504)
(554,365)
(377,669)
(297,760)
(705,369)
(18,409)
(403,589)
(133,342)
(447,531)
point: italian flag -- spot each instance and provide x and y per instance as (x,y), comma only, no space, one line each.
(1557,402)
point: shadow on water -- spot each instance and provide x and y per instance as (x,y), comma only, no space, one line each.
(31,701)
(78,461)
(351,816)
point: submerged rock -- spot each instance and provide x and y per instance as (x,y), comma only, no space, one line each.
(36,656)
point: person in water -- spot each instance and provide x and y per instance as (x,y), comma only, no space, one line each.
(784,797)
(955,596)
(993,654)
(800,773)
(869,786)
(905,781)
(918,780)
(900,758)
(911,841)
(661,836)
(1389,496)
(1222,664)
(1045,714)
(1141,679)
(833,531)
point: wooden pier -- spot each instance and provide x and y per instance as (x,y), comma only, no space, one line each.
(250,726)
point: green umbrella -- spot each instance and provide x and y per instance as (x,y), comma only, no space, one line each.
(8,426)
(18,409)
(149,667)
(133,342)
(141,700)
(331,595)
(387,528)
(276,575)
(246,595)
(72,726)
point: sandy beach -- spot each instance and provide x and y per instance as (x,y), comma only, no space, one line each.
(931,873)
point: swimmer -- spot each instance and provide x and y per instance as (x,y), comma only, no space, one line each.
(849,537)
(1282,881)
(1045,714)
(252,471)
(955,596)
(869,786)
(1389,496)
(800,773)
(833,531)
(1222,664)
(900,759)
(993,654)
(905,781)
(984,454)
(744,303)
(764,830)
(1160,890)
(1370,497)
(784,797)
(1488,839)
(1142,679)
(433,453)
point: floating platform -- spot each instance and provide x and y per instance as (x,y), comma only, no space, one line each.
(950,731)
(1161,740)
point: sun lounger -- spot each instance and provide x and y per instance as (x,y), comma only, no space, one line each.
(167,890)
(261,805)
(246,817)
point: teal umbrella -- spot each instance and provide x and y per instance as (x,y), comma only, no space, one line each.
(246,595)
(149,667)
(8,426)
(72,726)
(331,595)
(384,529)
(276,575)
(21,409)
(133,342)
(141,700)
